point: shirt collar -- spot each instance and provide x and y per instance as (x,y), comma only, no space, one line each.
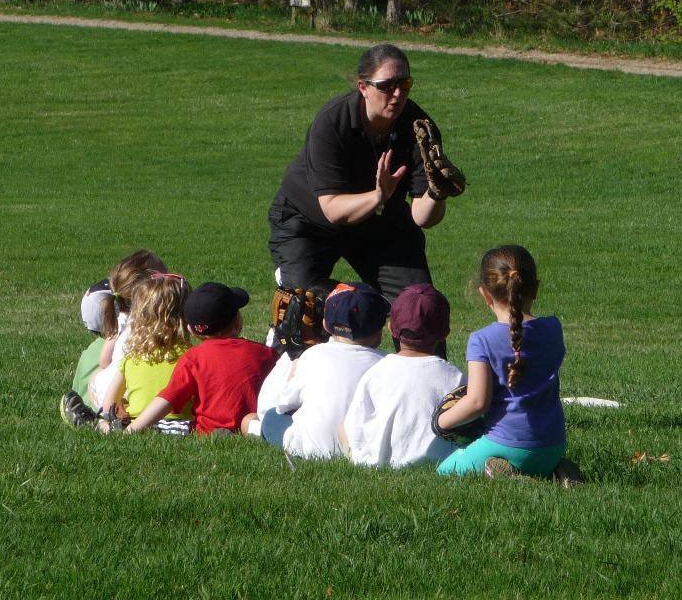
(354,105)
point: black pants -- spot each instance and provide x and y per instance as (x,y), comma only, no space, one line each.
(306,253)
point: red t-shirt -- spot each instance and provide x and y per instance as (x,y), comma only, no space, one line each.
(222,377)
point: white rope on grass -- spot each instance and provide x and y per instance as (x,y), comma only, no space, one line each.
(591,402)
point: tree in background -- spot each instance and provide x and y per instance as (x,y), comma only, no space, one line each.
(393,9)
(393,12)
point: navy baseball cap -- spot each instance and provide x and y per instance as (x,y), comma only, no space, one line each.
(211,307)
(420,316)
(355,310)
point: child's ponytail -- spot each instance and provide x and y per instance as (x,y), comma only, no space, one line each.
(509,274)
(109,321)
(122,280)
(515,300)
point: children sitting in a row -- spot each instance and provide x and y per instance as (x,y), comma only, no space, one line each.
(165,382)
(221,376)
(315,399)
(157,339)
(389,418)
(344,396)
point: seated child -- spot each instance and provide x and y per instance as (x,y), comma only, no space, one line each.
(325,376)
(158,338)
(223,374)
(389,419)
(75,406)
(513,376)
(310,331)
(122,281)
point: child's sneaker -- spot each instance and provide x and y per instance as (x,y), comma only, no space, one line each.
(75,412)
(499,467)
(568,474)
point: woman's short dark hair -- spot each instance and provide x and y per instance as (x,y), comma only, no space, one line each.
(373,58)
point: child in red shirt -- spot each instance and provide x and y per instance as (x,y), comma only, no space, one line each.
(223,374)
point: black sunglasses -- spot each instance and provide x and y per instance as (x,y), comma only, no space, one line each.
(388,86)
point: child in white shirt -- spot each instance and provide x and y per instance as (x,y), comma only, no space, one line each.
(325,376)
(389,419)
(300,330)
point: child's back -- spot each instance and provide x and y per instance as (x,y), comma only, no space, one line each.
(389,420)
(530,414)
(224,375)
(123,279)
(513,376)
(321,391)
(143,381)
(156,339)
(325,376)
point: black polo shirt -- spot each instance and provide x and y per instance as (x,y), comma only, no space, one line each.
(338,158)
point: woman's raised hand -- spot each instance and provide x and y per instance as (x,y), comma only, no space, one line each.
(387,181)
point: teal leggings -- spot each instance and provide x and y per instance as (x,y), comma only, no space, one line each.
(532,461)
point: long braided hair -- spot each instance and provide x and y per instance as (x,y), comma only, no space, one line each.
(509,274)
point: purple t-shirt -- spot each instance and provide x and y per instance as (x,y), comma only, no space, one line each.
(530,415)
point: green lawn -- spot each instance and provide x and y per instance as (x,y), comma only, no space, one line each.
(111,141)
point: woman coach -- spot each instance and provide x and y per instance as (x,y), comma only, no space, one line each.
(345,194)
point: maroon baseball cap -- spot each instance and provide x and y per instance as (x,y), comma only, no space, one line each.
(420,316)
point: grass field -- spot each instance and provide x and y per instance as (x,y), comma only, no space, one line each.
(110,141)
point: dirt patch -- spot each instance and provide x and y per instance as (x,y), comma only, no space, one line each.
(639,66)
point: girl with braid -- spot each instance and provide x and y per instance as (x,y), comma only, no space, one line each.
(513,377)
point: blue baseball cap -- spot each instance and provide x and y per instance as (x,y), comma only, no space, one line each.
(355,310)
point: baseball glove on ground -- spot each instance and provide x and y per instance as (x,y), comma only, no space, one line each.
(115,419)
(297,320)
(466,432)
(445,179)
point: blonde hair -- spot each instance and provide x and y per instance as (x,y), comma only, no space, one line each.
(122,281)
(157,328)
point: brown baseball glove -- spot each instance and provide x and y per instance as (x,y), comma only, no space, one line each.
(462,433)
(297,320)
(445,179)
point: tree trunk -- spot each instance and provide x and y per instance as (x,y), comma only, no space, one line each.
(393,12)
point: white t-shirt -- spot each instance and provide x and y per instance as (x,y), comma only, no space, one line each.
(121,339)
(320,391)
(102,379)
(389,419)
(273,385)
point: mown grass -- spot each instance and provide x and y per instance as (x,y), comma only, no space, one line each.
(114,140)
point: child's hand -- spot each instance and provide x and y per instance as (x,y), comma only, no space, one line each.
(104,427)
